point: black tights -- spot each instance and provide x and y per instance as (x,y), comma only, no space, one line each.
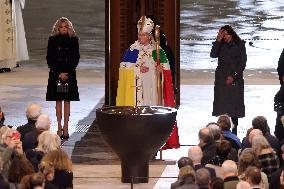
(235,123)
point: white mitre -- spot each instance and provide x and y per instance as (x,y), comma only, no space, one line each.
(145,24)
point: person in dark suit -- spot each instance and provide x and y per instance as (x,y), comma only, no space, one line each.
(196,155)
(33,111)
(279,109)
(207,145)
(30,140)
(62,59)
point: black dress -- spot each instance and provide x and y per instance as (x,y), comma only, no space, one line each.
(62,57)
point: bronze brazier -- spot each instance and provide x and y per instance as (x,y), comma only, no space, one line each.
(135,134)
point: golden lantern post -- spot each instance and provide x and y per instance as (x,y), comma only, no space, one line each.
(158,72)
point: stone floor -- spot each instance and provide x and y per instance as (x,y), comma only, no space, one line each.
(95,165)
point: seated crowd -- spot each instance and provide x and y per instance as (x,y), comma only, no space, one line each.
(31,157)
(222,161)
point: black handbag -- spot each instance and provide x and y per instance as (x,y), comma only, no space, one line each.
(62,86)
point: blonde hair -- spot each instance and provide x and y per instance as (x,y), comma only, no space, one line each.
(47,169)
(259,143)
(60,160)
(55,29)
(246,159)
(48,141)
(3,133)
(186,171)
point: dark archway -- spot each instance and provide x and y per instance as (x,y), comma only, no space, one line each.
(120,27)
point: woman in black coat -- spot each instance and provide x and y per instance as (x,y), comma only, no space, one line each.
(229,83)
(62,59)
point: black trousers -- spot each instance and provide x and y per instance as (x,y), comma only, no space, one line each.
(235,123)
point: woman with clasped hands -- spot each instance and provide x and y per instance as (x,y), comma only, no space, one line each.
(62,59)
(229,83)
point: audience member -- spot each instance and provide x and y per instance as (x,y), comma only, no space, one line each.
(230,171)
(186,179)
(249,158)
(222,151)
(47,169)
(33,111)
(3,130)
(268,159)
(216,183)
(19,168)
(253,177)
(203,178)
(215,130)
(246,143)
(260,123)
(195,154)
(63,175)
(11,148)
(184,161)
(47,142)
(30,139)
(225,124)
(32,181)
(275,177)
(217,135)
(207,144)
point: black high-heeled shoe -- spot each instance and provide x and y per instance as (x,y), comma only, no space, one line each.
(65,137)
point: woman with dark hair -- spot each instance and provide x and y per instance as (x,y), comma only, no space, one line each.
(19,168)
(229,83)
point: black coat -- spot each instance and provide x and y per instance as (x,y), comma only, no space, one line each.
(280,68)
(231,62)
(30,140)
(279,108)
(62,57)
(24,129)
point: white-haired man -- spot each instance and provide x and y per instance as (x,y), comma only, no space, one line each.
(229,170)
(33,111)
(42,124)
